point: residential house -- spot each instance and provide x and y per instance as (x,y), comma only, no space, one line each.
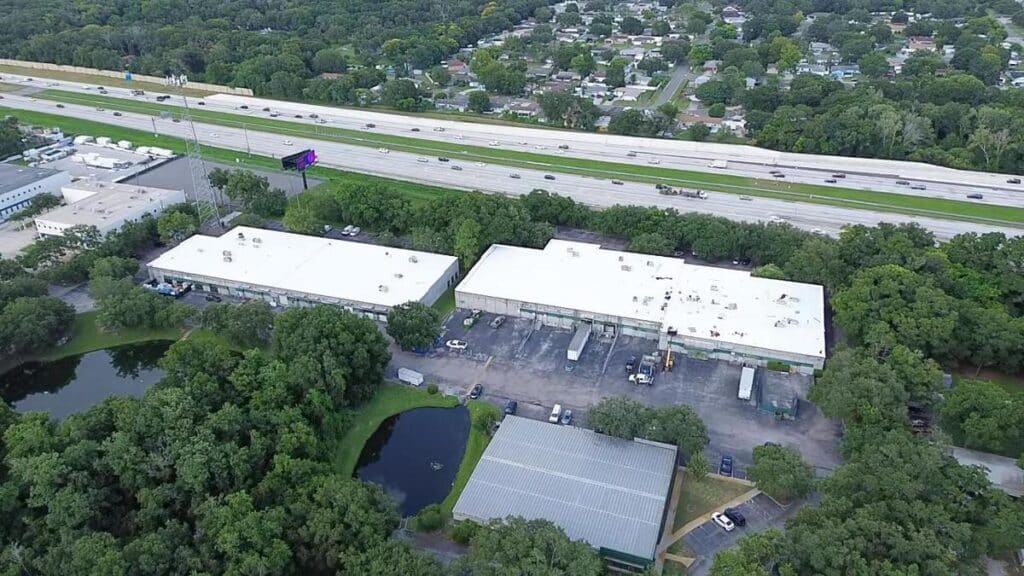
(711,66)
(459,103)
(733,15)
(523,108)
(715,124)
(919,43)
(636,54)
(629,93)
(816,69)
(456,66)
(539,71)
(841,71)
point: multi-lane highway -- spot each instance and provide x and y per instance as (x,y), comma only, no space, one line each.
(908,178)
(487,177)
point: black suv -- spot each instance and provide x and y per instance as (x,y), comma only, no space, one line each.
(510,407)
(736,516)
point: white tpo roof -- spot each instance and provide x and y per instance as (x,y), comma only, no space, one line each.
(702,302)
(300,264)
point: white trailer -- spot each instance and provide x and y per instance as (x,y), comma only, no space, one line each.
(579,341)
(746,383)
(410,376)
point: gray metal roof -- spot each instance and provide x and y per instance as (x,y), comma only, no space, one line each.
(607,491)
(13,176)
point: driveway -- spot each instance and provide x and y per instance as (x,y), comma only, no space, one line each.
(680,74)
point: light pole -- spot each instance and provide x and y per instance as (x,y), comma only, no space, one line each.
(248,151)
(153,120)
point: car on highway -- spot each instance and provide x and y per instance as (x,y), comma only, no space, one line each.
(459,137)
(243,107)
(776,218)
(117,113)
(831,180)
(438,129)
(476,392)
(746,198)
(514,176)
(618,182)
(422,159)
(287,142)
(566,417)
(631,154)
(778,175)
(415,129)
(370,125)
(443,159)
(975,196)
(549,177)
(321,121)
(493,143)
(539,147)
(314,116)
(201,103)
(481,164)
(101,109)
(1013,181)
(725,466)
(511,406)
(274,114)
(839,175)
(60,105)
(266,109)
(456,167)
(736,516)
(918,187)
(563,146)
(902,183)
(723,521)
(298,115)
(383,150)
(654,161)
(456,344)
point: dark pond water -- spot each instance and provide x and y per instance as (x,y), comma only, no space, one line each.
(64,387)
(415,455)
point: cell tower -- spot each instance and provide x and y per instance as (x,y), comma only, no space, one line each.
(203,198)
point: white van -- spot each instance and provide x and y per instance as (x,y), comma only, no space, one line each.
(556,413)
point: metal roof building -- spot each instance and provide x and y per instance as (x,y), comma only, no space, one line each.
(295,269)
(20,184)
(606,491)
(705,310)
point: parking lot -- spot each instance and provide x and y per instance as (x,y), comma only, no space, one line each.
(528,363)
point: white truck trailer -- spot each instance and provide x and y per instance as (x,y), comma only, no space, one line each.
(410,376)
(746,383)
(579,341)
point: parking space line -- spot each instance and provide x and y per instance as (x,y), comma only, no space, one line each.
(608,356)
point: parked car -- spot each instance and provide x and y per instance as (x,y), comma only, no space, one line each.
(570,366)
(566,417)
(476,392)
(556,414)
(456,344)
(723,521)
(549,177)
(736,516)
(213,298)
(355,231)
(725,467)
(497,322)
(511,406)
(975,196)
(631,365)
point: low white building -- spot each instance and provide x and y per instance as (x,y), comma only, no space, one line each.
(698,310)
(20,184)
(105,205)
(297,270)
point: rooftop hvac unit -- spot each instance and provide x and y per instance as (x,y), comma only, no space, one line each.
(780,324)
(714,287)
(731,306)
(650,263)
(226,253)
(241,236)
(227,258)
(382,288)
(621,258)
(257,240)
(626,267)
(413,259)
(399,275)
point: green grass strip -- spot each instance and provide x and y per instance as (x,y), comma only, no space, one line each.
(770,188)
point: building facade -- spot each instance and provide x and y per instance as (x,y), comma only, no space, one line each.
(20,184)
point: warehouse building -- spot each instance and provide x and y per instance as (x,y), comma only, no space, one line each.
(20,184)
(608,492)
(702,311)
(105,205)
(296,270)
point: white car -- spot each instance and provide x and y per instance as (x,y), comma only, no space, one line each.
(481,164)
(746,198)
(458,137)
(383,150)
(456,344)
(287,142)
(422,159)
(654,161)
(556,414)
(776,218)
(493,143)
(723,522)
(347,230)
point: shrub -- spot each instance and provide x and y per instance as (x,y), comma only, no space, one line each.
(776,366)
(428,520)
(464,531)
(431,388)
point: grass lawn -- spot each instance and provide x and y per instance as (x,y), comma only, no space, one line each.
(673,569)
(4,87)
(478,441)
(703,496)
(94,79)
(719,182)
(87,337)
(390,400)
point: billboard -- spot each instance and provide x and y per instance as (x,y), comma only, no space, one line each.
(299,161)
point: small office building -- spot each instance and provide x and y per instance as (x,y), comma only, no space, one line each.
(105,205)
(609,492)
(20,184)
(297,270)
(702,311)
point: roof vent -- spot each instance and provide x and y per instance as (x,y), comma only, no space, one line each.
(731,305)
(413,259)
(382,288)
(227,258)
(714,287)
(398,275)
(257,240)
(626,267)
(650,263)
(241,236)
(621,258)
(226,253)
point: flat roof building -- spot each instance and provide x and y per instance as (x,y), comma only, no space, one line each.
(697,310)
(105,205)
(608,492)
(20,184)
(295,269)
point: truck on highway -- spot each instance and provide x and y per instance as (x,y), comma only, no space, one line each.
(579,341)
(670,191)
(719,164)
(645,372)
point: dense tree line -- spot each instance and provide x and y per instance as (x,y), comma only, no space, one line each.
(276,48)
(624,417)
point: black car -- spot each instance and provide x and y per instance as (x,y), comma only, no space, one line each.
(1013,181)
(725,467)
(213,298)
(975,196)
(549,177)
(510,407)
(266,109)
(415,129)
(298,115)
(371,125)
(736,516)
(60,105)
(117,113)
(443,159)
(201,103)
(476,392)
(630,364)
(243,107)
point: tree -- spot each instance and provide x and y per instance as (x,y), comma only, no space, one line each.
(754,555)
(122,304)
(631,25)
(389,558)
(414,325)
(620,416)
(175,226)
(615,75)
(679,425)
(717,110)
(874,65)
(30,324)
(331,60)
(479,101)
(113,267)
(242,539)
(780,472)
(669,110)
(697,466)
(652,243)
(332,351)
(661,28)
(248,324)
(518,546)
(984,416)
(698,132)
(584,64)
(675,51)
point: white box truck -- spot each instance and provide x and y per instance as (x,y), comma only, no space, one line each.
(410,376)
(579,341)
(746,383)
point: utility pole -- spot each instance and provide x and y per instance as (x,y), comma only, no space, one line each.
(153,120)
(203,196)
(248,151)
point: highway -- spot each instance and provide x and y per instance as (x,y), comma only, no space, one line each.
(499,179)
(908,178)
